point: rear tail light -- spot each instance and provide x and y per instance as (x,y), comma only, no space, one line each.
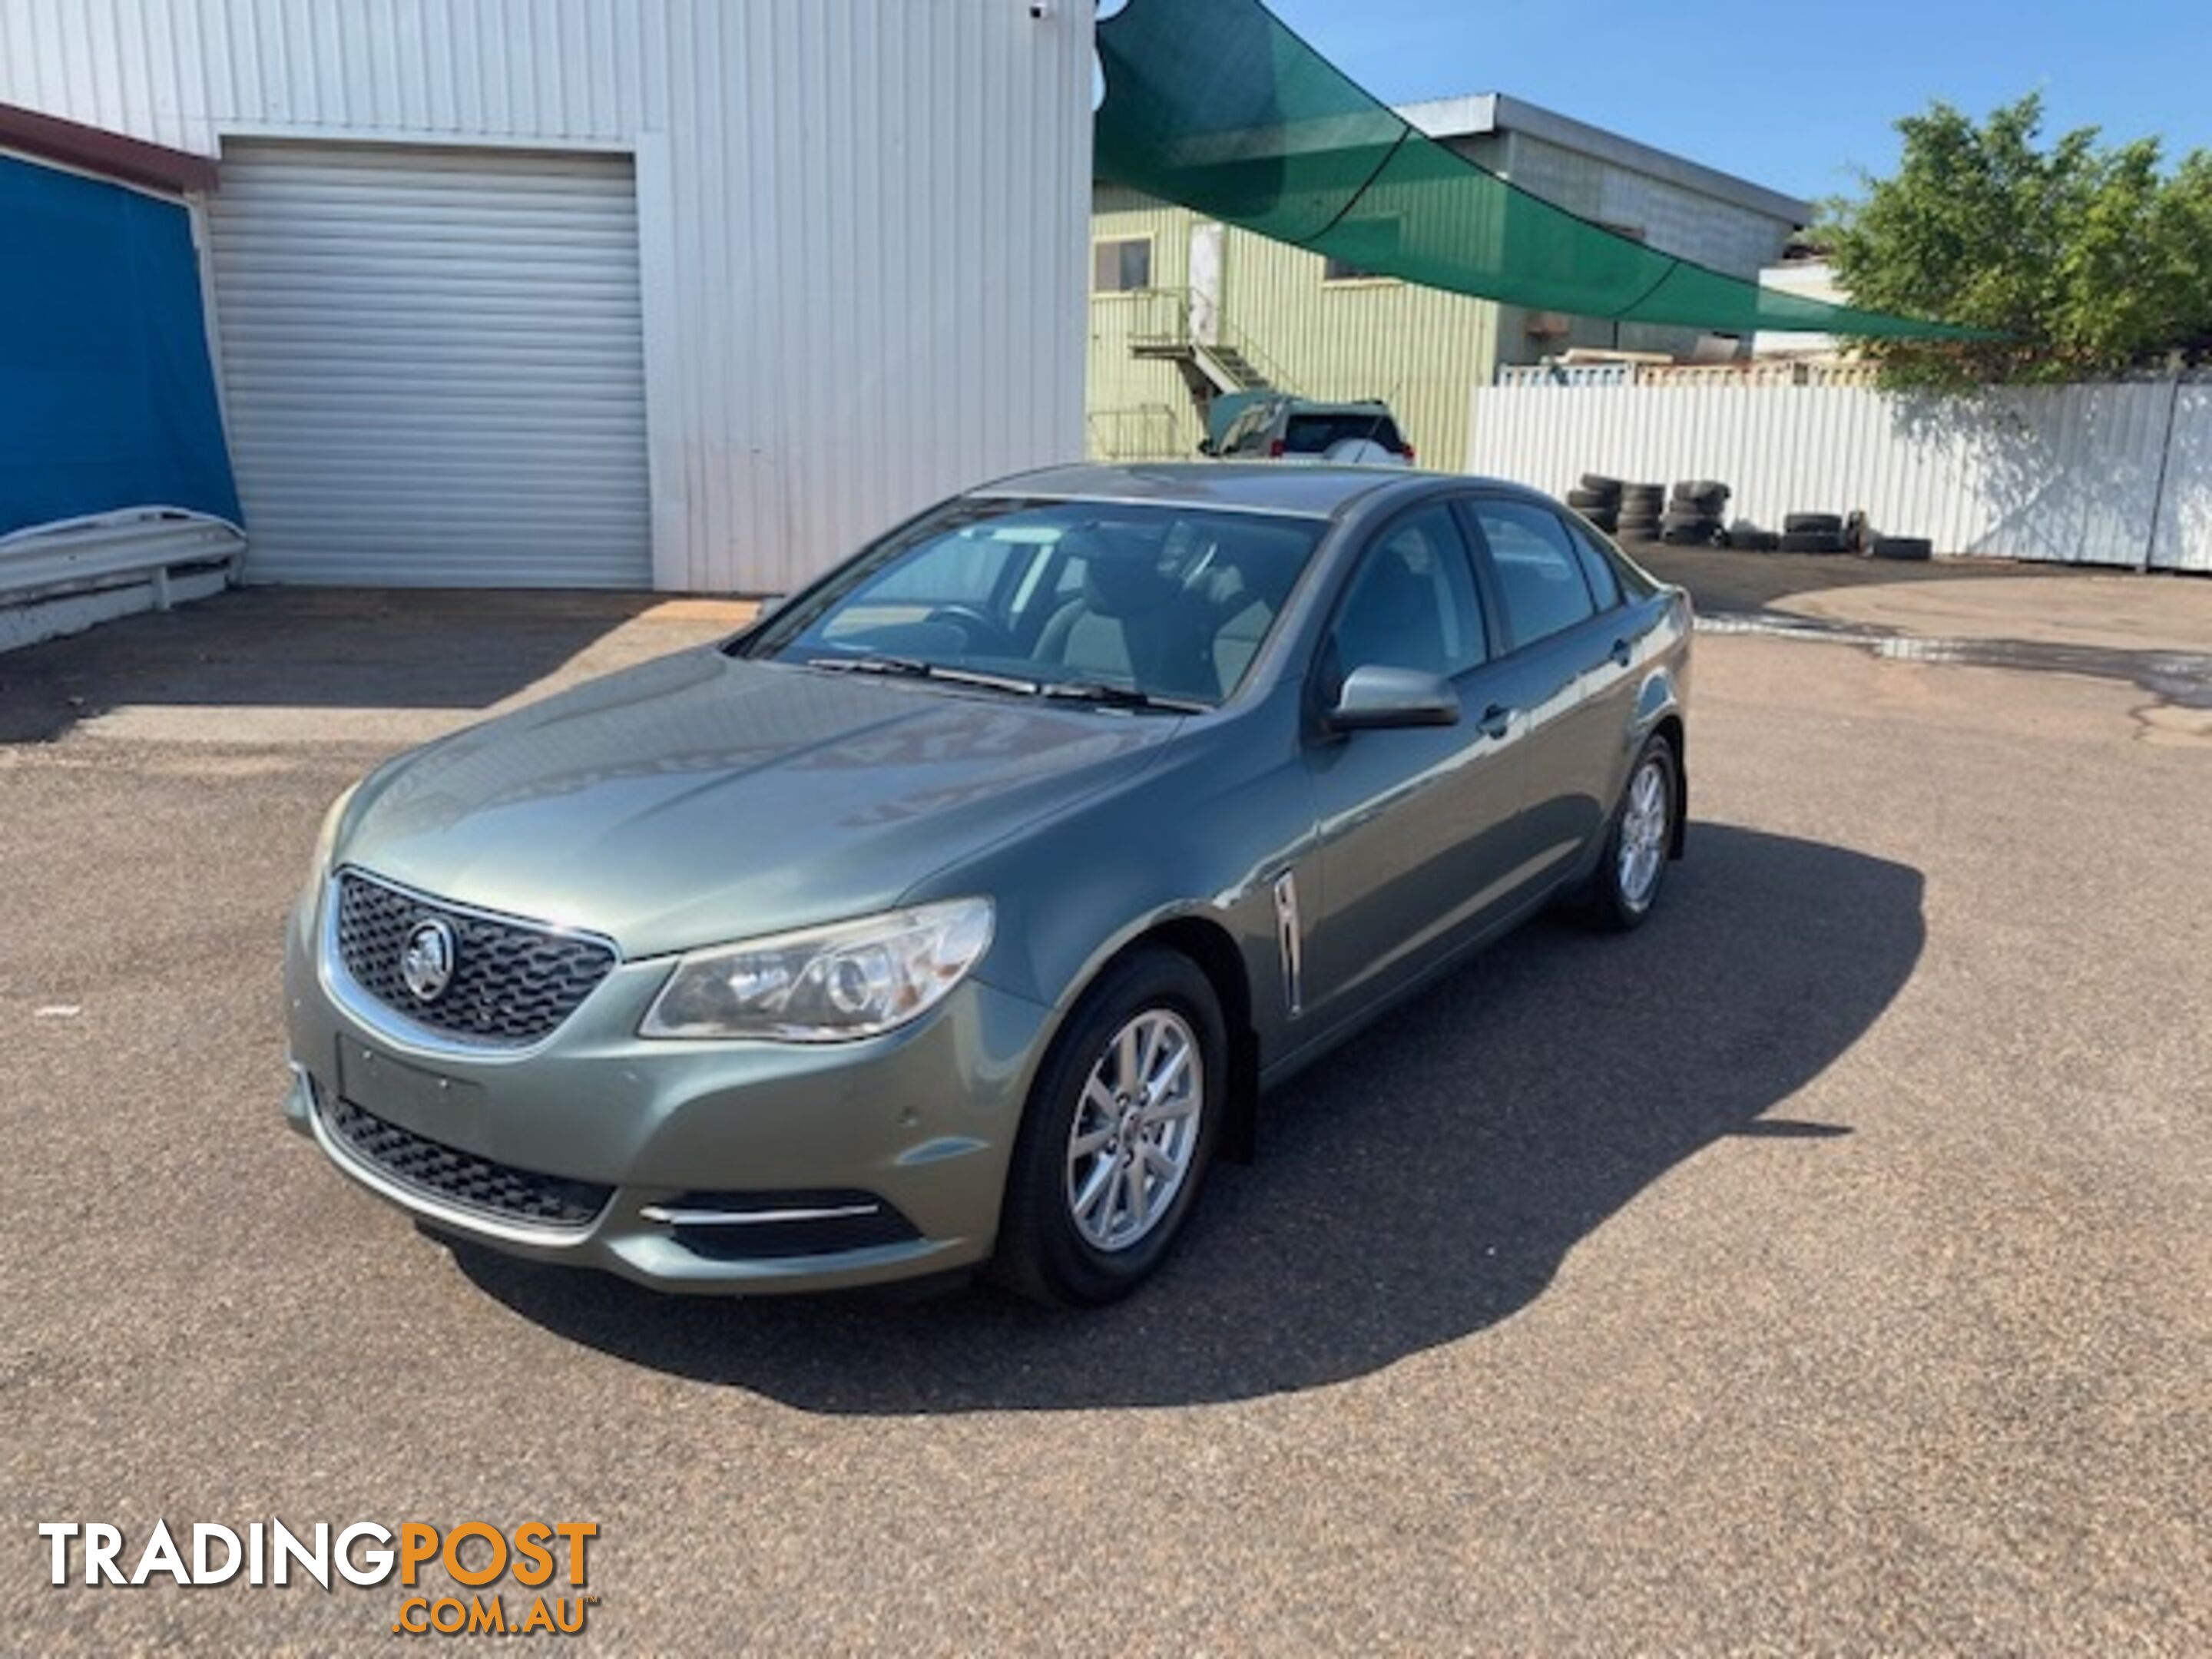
(1275,450)
(1407,452)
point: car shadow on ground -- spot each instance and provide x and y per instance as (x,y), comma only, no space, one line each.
(1419,1185)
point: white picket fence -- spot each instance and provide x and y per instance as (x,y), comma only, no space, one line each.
(2116,473)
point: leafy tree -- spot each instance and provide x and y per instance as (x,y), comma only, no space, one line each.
(2091,259)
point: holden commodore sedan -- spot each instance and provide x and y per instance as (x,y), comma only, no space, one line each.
(960,911)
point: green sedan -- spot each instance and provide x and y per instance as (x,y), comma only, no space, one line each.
(960,911)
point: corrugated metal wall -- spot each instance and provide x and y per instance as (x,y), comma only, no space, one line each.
(1137,408)
(861,223)
(2105,474)
(1421,348)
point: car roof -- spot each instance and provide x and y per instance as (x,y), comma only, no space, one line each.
(1314,491)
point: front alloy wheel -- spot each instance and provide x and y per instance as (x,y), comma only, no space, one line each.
(1135,1132)
(1119,1129)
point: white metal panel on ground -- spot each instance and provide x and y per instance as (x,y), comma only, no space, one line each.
(33,621)
(109,547)
(863,224)
(2117,474)
(433,365)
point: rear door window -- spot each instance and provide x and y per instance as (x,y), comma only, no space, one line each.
(1539,572)
(1597,566)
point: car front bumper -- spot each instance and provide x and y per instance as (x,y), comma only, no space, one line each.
(744,1167)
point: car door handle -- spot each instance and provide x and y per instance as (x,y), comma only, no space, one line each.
(1621,654)
(1496,720)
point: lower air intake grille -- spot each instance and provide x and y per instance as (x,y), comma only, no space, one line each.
(456,1177)
(806,1223)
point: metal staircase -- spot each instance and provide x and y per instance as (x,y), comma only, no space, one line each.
(1214,358)
(1230,368)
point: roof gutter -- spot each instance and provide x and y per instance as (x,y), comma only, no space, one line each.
(109,155)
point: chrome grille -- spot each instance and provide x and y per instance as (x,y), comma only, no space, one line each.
(439,1172)
(511,983)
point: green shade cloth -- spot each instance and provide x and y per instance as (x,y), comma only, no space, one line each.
(1215,105)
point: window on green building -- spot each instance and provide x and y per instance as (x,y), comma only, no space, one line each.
(1121,264)
(1377,236)
(1343,271)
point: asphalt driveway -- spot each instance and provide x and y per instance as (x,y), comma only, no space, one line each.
(1827,1265)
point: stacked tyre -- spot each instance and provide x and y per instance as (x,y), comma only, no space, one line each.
(1693,517)
(1642,509)
(1598,500)
(1915,548)
(1813,532)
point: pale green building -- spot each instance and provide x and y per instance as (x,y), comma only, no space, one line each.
(1182,307)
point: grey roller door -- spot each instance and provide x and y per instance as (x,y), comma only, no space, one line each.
(432,365)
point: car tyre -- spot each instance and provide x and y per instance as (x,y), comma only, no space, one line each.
(1913,548)
(1051,1248)
(1626,884)
(1812,541)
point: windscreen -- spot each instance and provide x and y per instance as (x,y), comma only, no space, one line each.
(1159,602)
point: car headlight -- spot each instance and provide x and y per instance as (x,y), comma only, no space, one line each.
(826,984)
(326,840)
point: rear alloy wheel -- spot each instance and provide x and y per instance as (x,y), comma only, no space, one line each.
(1626,882)
(1120,1130)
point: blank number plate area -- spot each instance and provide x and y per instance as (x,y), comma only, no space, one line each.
(446,1108)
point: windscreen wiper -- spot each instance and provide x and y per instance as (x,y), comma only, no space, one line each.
(915,668)
(911,666)
(1121,696)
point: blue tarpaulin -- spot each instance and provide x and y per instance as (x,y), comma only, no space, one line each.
(107,398)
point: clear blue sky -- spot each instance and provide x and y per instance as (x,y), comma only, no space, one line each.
(1794,95)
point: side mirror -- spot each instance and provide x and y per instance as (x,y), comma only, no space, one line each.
(1377,699)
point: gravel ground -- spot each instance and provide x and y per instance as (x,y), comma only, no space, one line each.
(1827,1267)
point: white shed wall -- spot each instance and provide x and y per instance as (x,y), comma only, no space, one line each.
(862,224)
